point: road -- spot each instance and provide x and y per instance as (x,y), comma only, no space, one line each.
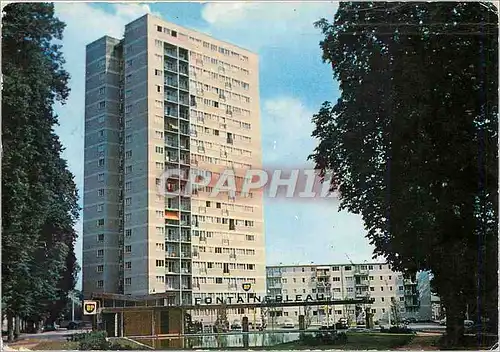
(61,334)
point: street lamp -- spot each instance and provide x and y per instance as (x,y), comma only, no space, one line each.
(389,312)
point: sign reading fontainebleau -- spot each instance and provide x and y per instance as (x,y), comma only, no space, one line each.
(89,307)
(246,299)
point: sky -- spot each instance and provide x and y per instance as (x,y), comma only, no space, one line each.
(294,82)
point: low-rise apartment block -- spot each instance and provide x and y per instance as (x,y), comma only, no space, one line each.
(392,292)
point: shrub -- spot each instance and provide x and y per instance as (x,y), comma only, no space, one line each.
(397,330)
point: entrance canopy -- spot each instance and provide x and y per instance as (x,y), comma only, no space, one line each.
(118,303)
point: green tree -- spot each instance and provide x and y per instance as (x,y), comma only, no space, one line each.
(38,192)
(412,141)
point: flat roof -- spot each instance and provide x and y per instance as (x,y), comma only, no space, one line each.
(239,305)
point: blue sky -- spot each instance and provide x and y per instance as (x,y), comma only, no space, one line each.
(293,84)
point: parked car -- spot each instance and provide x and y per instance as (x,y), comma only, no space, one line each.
(480,328)
(410,320)
(342,324)
(74,325)
(288,324)
(236,326)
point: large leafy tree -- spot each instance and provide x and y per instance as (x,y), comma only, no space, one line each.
(412,141)
(39,195)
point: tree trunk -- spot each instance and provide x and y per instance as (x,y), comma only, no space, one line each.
(17,327)
(455,310)
(10,328)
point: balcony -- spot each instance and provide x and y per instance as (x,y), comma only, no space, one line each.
(171,98)
(409,282)
(183,54)
(172,238)
(414,303)
(171,127)
(172,286)
(361,283)
(171,112)
(186,255)
(169,142)
(360,272)
(170,68)
(172,158)
(171,82)
(170,51)
(186,238)
(172,254)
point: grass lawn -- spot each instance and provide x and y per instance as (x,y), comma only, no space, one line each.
(71,345)
(357,341)
(56,345)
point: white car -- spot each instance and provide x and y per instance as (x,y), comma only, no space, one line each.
(288,324)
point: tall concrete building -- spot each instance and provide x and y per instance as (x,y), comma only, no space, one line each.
(392,292)
(169,98)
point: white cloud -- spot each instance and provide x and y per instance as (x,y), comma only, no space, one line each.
(84,24)
(286,123)
(266,23)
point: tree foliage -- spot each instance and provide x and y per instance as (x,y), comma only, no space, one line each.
(39,195)
(412,141)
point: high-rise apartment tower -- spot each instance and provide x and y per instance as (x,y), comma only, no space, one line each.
(162,98)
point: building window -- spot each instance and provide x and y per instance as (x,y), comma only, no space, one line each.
(100,163)
(128,281)
(127,218)
(128,201)
(128,139)
(128,169)
(102,105)
(128,232)
(160,279)
(100,192)
(102,90)
(100,252)
(100,268)
(128,265)
(160,246)
(128,186)
(100,177)
(100,237)
(159,150)
(100,223)
(100,207)
(158,73)
(100,284)
(160,263)
(128,249)
(128,154)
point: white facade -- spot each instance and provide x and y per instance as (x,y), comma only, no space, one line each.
(390,290)
(168,98)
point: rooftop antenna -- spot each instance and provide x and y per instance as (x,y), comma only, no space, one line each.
(350,261)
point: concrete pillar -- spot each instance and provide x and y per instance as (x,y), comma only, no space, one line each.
(302,322)
(244,324)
